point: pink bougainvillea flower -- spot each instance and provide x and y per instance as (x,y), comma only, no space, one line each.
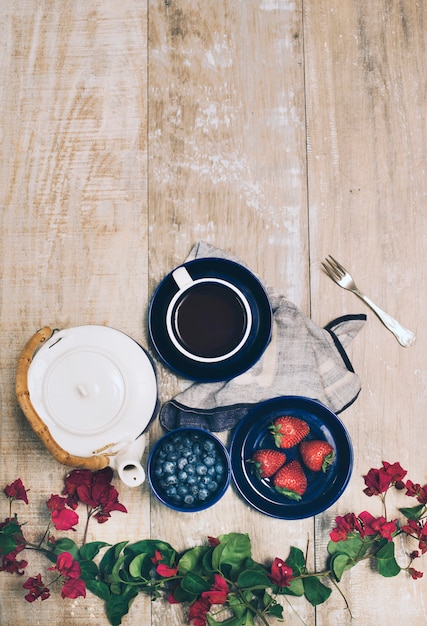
(36,589)
(73,588)
(198,611)
(11,564)
(414,573)
(16,491)
(281,573)
(415,489)
(218,592)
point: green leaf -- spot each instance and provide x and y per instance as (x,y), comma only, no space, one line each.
(295,588)
(253,579)
(276,610)
(195,584)
(353,546)
(340,563)
(192,560)
(7,544)
(413,512)
(89,570)
(11,528)
(110,557)
(118,605)
(296,561)
(136,566)
(90,550)
(66,545)
(98,588)
(387,564)
(236,551)
(315,591)
(183,596)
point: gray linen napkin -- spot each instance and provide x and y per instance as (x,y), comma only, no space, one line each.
(301,359)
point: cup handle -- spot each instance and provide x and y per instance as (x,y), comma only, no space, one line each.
(182,277)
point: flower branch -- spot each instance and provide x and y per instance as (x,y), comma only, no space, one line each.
(218,575)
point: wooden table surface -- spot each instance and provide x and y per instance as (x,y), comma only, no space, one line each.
(278,130)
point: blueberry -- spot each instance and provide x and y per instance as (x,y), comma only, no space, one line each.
(203,494)
(190,469)
(189,499)
(192,480)
(169,467)
(212,486)
(182,490)
(171,491)
(181,463)
(182,475)
(201,469)
(219,467)
(209,445)
(209,460)
(171,479)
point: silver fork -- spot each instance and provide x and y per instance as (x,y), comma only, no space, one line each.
(339,274)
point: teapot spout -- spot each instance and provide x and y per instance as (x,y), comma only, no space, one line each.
(128,463)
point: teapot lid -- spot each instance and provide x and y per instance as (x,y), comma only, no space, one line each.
(94,387)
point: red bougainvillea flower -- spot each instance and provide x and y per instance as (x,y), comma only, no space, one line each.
(95,490)
(36,589)
(414,573)
(162,568)
(73,588)
(418,530)
(345,525)
(62,518)
(219,591)
(396,473)
(281,573)
(198,611)
(415,489)
(10,563)
(377,481)
(373,525)
(16,491)
(70,570)
(67,566)
(213,542)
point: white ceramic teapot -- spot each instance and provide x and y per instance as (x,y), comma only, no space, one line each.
(89,392)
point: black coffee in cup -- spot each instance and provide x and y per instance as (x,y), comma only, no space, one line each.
(210,319)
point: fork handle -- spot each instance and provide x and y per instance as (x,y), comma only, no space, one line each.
(404,336)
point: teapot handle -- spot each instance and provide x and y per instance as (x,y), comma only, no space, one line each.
(95,462)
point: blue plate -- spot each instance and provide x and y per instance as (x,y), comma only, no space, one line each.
(253,433)
(256,343)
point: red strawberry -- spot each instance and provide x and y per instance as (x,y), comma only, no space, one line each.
(291,481)
(288,431)
(317,455)
(267,462)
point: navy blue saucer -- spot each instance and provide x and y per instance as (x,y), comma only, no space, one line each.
(252,433)
(256,343)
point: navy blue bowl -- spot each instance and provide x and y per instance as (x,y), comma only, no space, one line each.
(189,469)
(252,433)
